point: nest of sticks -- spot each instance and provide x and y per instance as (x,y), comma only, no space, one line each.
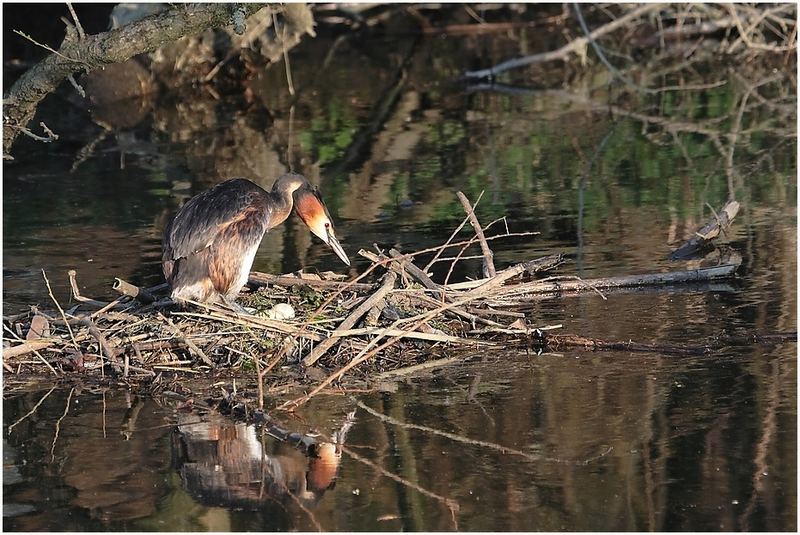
(400,319)
(390,320)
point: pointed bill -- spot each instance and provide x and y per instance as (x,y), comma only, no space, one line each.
(337,248)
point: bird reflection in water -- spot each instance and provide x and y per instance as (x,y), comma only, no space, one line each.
(228,464)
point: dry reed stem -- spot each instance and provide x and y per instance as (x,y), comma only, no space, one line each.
(453,235)
(61,310)
(76,293)
(488,255)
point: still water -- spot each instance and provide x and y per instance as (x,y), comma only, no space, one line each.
(507,440)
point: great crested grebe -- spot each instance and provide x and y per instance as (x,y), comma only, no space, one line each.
(210,245)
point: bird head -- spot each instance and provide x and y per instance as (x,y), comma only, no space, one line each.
(309,206)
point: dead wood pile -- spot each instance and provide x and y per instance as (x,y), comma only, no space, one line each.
(398,323)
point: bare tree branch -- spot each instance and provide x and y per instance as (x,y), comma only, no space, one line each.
(95,51)
(575,45)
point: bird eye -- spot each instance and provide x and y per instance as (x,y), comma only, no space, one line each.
(327,225)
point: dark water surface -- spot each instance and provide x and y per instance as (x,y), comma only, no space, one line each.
(511,441)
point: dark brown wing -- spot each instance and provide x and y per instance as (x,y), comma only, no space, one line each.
(204,216)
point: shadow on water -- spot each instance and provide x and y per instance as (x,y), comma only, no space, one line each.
(611,441)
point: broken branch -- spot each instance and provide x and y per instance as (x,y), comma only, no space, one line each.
(488,256)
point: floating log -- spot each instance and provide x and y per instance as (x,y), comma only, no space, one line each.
(558,341)
(583,285)
(700,242)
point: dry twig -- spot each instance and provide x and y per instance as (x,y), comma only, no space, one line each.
(488,256)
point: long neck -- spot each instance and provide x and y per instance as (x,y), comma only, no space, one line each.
(280,207)
(281,198)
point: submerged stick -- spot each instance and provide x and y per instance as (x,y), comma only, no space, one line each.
(58,425)
(10,427)
(472,441)
(450,503)
(572,340)
(555,341)
(409,370)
